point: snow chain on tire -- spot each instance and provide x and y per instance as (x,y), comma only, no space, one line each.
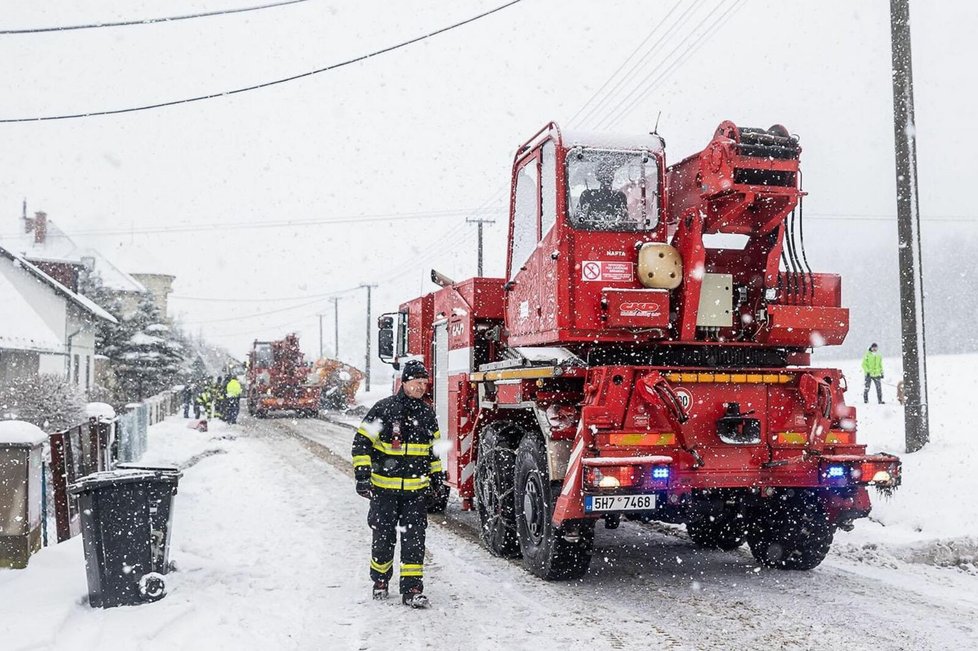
(546,551)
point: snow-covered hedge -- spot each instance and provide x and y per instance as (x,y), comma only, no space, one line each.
(49,401)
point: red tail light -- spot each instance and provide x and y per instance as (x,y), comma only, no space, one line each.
(608,477)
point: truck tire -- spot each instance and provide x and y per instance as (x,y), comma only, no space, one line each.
(724,531)
(791,532)
(494,494)
(546,551)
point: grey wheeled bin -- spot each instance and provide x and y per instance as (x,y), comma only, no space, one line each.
(125,549)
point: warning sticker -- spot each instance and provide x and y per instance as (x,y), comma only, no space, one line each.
(607,270)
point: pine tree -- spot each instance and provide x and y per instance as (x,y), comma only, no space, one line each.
(145,354)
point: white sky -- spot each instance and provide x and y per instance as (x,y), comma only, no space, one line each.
(431,129)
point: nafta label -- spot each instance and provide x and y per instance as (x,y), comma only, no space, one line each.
(614,270)
(647,310)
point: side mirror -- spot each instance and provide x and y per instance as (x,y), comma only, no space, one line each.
(385,338)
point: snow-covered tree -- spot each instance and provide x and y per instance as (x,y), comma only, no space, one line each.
(145,355)
(49,401)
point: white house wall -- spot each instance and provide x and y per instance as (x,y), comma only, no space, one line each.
(46,303)
(82,346)
(62,318)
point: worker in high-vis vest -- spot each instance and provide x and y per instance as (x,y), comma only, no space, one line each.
(395,464)
(233,392)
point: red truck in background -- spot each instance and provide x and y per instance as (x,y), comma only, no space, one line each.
(279,379)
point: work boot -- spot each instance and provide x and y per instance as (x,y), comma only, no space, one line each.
(380,589)
(415,599)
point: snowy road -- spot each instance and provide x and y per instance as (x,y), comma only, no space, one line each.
(647,584)
(272,548)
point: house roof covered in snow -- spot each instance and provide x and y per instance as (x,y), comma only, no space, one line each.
(84,303)
(59,247)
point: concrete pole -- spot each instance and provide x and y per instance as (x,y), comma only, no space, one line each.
(908,226)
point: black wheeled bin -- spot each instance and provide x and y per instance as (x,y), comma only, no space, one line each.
(159,512)
(126,524)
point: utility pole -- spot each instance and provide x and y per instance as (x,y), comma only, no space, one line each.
(336,326)
(480,222)
(366,366)
(320,335)
(908,227)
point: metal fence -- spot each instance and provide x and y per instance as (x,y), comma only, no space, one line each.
(97,445)
(133,424)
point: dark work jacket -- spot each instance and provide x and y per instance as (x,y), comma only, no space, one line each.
(394,445)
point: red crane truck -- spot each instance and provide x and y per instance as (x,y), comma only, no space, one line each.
(647,355)
(279,379)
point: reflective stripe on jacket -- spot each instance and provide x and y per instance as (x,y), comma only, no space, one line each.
(394,445)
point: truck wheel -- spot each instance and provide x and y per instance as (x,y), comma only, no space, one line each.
(550,552)
(725,531)
(792,532)
(494,494)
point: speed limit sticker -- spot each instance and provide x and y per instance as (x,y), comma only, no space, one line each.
(685,398)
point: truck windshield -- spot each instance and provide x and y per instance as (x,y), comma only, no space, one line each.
(263,355)
(610,190)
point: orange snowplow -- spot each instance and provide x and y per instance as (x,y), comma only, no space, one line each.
(339,382)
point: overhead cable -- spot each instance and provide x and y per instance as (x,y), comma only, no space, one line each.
(236,91)
(145,21)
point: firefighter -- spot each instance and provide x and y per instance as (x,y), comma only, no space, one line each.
(204,402)
(395,465)
(233,392)
(873,368)
(603,206)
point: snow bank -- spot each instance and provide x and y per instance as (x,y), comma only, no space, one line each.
(99,410)
(936,500)
(17,432)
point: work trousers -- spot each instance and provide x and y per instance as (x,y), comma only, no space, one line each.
(234,406)
(391,511)
(879,389)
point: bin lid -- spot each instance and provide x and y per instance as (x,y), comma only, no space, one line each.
(107,478)
(152,467)
(17,433)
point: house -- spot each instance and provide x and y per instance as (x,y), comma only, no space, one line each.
(49,248)
(45,327)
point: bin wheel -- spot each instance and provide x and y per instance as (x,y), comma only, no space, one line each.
(152,587)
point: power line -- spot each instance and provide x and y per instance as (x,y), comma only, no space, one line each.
(588,109)
(223,226)
(266,84)
(641,90)
(147,21)
(223,299)
(267,312)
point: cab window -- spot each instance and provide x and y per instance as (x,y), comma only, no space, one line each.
(526,214)
(610,190)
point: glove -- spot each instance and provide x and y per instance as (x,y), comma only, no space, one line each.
(437,483)
(363,488)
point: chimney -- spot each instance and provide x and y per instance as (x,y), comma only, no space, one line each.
(40,227)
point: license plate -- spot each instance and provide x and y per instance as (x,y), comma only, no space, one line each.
(619,502)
